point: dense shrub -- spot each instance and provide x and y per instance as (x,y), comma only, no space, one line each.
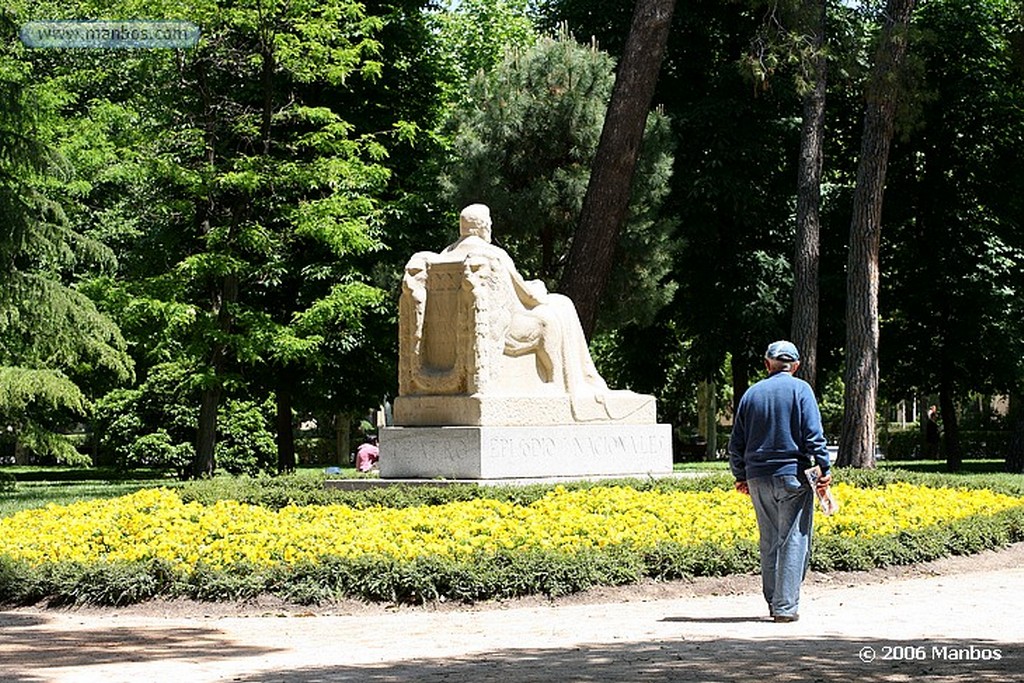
(904,445)
(154,425)
(244,443)
(985,444)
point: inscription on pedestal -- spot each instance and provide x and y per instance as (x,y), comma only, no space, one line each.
(496,452)
(624,445)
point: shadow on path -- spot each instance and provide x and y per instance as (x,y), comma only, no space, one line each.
(800,659)
(27,644)
(715,620)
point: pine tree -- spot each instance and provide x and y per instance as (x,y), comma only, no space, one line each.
(525,144)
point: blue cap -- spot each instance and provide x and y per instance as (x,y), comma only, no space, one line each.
(782,350)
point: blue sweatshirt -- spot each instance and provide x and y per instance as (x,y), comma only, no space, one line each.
(777,430)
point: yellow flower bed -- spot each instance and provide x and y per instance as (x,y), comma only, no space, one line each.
(156,524)
(899,507)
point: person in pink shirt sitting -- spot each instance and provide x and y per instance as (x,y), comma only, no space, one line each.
(367,454)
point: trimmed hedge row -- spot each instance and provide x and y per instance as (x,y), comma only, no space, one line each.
(974,444)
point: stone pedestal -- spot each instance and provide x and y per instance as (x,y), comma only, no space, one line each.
(501,452)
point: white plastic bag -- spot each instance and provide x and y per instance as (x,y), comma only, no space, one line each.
(828,502)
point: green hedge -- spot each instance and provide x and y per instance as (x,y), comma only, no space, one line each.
(309,489)
(909,444)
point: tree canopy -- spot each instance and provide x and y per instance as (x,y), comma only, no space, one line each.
(202,246)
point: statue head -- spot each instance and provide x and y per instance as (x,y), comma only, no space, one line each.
(475,219)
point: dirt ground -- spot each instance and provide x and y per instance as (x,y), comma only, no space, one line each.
(957,619)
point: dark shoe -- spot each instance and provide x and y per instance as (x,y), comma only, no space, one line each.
(785,618)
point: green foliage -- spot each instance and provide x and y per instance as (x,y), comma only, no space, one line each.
(242,207)
(1009,484)
(160,412)
(44,391)
(241,582)
(952,242)
(474,36)
(35,405)
(18,582)
(904,445)
(113,584)
(307,488)
(106,583)
(156,449)
(670,561)
(153,425)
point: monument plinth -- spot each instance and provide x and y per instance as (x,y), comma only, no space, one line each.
(496,380)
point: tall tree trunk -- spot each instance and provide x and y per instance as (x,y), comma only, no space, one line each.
(712,420)
(343,438)
(950,432)
(606,203)
(950,424)
(21,454)
(808,201)
(740,383)
(707,416)
(285,430)
(206,432)
(857,440)
(205,463)
(1015,456)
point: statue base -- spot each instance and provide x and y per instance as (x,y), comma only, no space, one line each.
(501,452)
(619,407)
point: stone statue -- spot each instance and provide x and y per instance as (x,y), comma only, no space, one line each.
(479,344)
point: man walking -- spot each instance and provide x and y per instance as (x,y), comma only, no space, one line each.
(776,435)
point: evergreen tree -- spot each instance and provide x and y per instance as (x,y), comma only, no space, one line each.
(55,346)
(525,146)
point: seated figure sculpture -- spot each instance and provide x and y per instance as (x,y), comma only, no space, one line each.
(479,344)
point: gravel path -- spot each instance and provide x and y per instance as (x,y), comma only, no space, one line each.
(958,619)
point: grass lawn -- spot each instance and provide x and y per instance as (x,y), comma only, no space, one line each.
(40,486)
(37,487)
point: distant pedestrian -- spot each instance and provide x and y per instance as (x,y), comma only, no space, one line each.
(776,435)
(931,434)
(367,454)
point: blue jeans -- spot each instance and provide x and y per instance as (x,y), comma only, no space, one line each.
(785,515)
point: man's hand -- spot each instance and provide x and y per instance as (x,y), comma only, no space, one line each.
(823,482)
(742,487)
